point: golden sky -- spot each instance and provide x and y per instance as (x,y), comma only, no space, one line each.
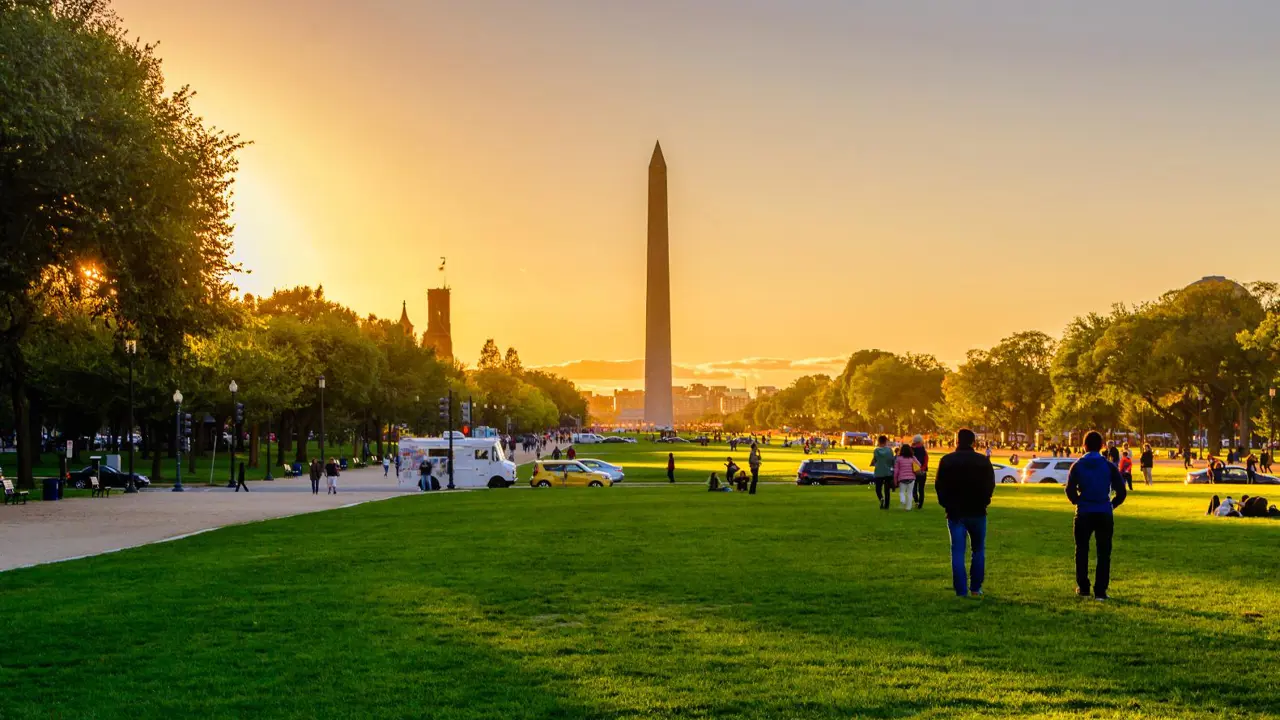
(910,175)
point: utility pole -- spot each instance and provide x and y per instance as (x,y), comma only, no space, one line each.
(450,468)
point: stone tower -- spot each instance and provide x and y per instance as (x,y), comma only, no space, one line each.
(405,325)
(439,334)
(657,337)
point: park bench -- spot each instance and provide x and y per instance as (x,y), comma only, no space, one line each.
(100,489)
(12,495)
(294,470)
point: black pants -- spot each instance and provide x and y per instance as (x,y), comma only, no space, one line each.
(755,477)
(240,484)
(884,489)
(917,492)
(671,475)
(1101,525)
(315,486)
(1128,479)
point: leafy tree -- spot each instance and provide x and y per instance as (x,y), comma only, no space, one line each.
(490,357)
(111,191)
(511,361)
(889,388)
(562,392)
(1005,386)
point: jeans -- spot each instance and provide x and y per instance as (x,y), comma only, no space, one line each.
(919,489)
(315,485)
(906,493)
(1101,525)
(975,528)
(884,489)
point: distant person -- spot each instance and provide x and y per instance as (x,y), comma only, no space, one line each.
(331,473)
(1113,454)
(555,454)
(1214,504)
(753,462)
(1126,469)
(964,484)
(671,467)
(571,453)
(424,474)
(240,480)
(386,465)
(316,470)
(922,456)
(713,483)
(1227,508)
(882,470)
(1147,462)
(730,470)
(1253,506)
(904,476)
(1251,467)
(1090,484)
(397,465)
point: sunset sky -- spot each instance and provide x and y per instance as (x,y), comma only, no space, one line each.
(925,175)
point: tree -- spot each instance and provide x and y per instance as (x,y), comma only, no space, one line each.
(511,362)
(111,191)
(887,390)
(490,357)
(1005,386)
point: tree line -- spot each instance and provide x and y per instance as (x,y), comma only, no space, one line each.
(1198,359)
(115,206)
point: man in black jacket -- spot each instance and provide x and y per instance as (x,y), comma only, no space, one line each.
(964,484)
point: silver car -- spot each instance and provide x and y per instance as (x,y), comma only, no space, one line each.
(614,472)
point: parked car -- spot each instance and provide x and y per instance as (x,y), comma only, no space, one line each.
(1047,470)
(1005,473)
(672,439)
(831,472)
(614,472)
(109,476)
(565,473)
(1231,475)
(611,439)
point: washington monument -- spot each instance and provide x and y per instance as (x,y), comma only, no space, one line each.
(657,335)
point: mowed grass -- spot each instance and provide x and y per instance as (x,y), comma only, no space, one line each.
(654,602)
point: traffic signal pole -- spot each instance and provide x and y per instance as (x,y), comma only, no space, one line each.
(450,468)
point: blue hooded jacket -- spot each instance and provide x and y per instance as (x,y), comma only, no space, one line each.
(1092,481)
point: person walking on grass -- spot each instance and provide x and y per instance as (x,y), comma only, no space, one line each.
(882,470)
(1126,469)
(964,484)
(1147,462)
(331,472)
(1090,484)
(922,457)
(753,462)
(671,467)
(904,476)
(316,471)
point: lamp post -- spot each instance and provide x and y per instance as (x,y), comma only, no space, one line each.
(177,419)
(1272,442)
(130,349)
(258,447)
(320,383)
(234,388)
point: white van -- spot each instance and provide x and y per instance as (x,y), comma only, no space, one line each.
(477,462)
(586,438)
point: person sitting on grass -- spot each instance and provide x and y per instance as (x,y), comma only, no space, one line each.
(1253,506)
(1227,508)
(730,471)
(713,483)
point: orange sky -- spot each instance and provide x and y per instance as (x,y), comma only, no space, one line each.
(917,176)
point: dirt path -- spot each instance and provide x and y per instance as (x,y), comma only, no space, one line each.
(42,532)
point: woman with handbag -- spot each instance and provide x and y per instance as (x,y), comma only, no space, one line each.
(905,467)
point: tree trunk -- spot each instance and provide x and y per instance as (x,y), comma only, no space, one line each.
(1246,434)
(22,428)
(1213,429)
(254,440)
(155,434)
(380,425)
(288,421)
(197,442)
(304,429)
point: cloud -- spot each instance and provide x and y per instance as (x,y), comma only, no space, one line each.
(621,372)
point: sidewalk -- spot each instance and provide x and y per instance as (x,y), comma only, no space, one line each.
(42,532)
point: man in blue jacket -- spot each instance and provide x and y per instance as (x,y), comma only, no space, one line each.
(1090,486)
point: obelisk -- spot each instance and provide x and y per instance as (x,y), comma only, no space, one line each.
(657,335)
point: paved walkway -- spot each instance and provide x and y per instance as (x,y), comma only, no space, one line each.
(42,532)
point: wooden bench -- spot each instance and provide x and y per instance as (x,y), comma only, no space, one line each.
(12,495)
(99,489)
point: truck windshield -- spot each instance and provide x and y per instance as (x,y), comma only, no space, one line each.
(498,454)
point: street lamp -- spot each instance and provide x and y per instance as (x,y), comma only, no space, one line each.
(130,349)
(234,388)
(177,419)
(1272,393)
(320,382)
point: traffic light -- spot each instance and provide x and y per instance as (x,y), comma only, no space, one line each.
(239,413)
(444,409)
(466,430)
(186,424)
(466,413)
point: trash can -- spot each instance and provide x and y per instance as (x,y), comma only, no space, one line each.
(51,491)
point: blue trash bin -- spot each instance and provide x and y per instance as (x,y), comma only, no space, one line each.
(49,489)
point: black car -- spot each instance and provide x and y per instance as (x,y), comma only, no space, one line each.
(831,472)
(109,477)
(1231,475)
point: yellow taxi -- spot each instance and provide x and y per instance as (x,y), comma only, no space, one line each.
(566,473)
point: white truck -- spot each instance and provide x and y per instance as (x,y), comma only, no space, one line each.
(477,462)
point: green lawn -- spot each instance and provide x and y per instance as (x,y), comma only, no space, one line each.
(653,602)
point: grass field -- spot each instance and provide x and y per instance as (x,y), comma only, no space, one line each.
(654,602)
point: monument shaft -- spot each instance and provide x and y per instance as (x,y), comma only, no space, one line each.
(657,345)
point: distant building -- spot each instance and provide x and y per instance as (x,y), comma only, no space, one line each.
(733,400)
(624,400)
(765,391)
(405,325)
(601,408)
(439,333)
